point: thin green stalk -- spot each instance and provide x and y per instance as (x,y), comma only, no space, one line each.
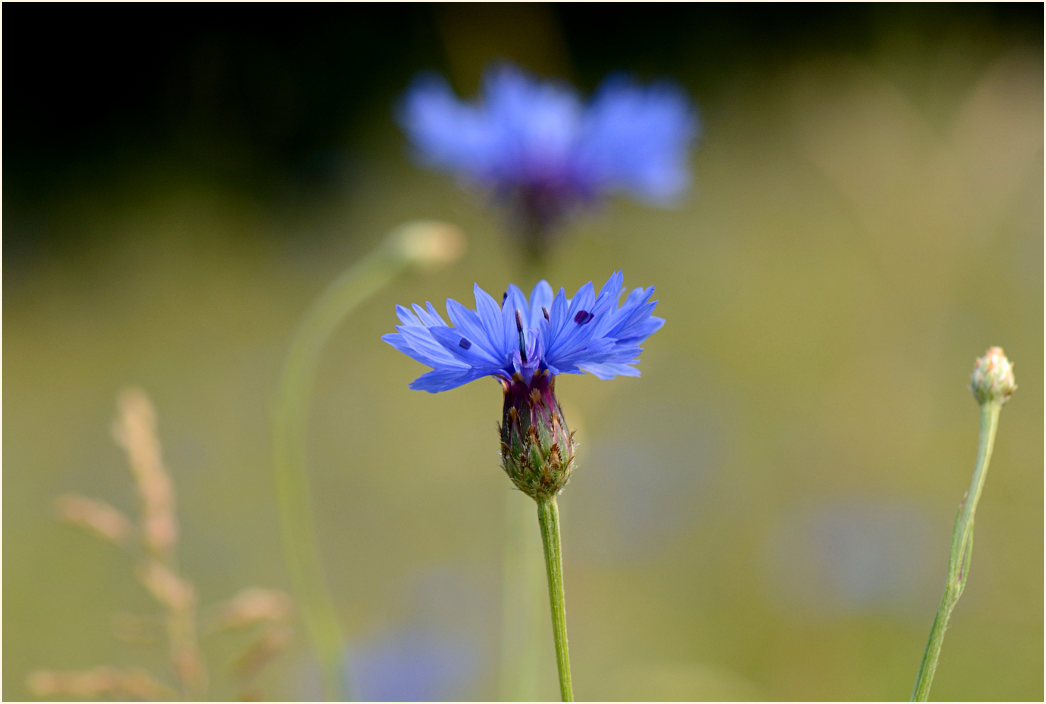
(961,550)
(417,243)
(548,518)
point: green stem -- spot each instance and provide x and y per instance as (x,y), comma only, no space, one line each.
(548,518)
(959,556)
(289,420)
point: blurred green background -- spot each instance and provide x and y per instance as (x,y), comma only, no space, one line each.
(764,514)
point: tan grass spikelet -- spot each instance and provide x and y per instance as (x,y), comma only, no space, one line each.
(135,431)
(154,543)
(95,516)
(98,682)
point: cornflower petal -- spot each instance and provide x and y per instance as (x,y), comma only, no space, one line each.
(608,370)
(406,316)
(634,320)
(636,138)
(573,329)
(489,314)
(558,315)
(464,349)
(429,316)
(514,300)
(540,302)
(445,379)
(425,347)
(400,343)
(445,133)
(471,328)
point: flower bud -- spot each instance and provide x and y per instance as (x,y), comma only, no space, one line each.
(992,378)
(537,447)
(428,244)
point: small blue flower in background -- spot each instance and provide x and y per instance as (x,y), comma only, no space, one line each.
(432,650)
(537,146)
(415,665)
(522,339)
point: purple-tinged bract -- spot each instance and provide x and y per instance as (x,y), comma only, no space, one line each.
(537,146)
(547,333)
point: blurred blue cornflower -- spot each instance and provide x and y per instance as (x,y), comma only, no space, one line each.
(537,146)
(415,665)
(525,344)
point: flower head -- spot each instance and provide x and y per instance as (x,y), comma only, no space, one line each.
(525,343)
(537,146)
(545,334)
(992,378)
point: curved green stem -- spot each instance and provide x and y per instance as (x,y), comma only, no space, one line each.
(417,243)
(548,518)
(959,556)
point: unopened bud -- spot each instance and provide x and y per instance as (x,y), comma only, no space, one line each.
(537,447)
(428,244)
(992,378)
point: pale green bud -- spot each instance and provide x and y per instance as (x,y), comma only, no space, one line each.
(992,378)
(428,244)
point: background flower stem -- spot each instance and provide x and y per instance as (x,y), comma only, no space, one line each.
(521,602)
(959,556)
(548,518)
(416,243)
(522,583)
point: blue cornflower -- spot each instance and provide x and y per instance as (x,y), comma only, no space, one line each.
(524,344)
(546,334)
(537,146)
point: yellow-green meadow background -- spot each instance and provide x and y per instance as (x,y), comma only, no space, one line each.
(764,514)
